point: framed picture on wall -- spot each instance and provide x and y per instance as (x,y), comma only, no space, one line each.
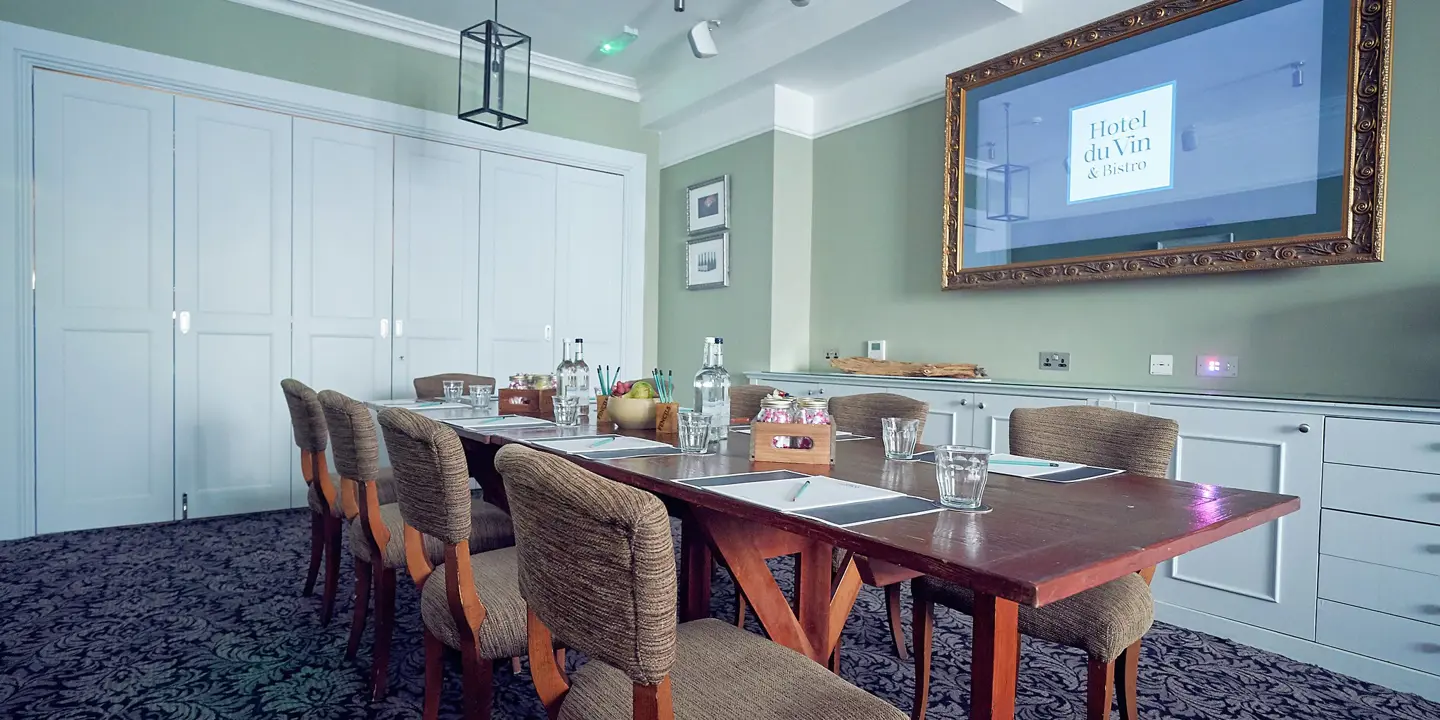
(707,262)
(707,206)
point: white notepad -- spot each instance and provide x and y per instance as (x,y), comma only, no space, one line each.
(1050,470)
(421,406)
(822,491)
(499,421)
(598,443)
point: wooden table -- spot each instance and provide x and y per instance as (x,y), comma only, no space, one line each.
(1042,543)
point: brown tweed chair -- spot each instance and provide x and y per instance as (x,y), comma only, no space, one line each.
(307,420)
(597,567)
(745,399)
(473,603)
(1106,622)
(861,414)
(433,386)
(368,498)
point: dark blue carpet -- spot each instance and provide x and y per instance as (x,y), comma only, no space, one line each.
(204,619)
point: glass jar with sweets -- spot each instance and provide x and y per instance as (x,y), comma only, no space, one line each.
(775,410)
(520,382)
(813,411)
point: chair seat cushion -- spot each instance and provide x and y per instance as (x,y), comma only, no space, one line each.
(724,672)
(497,582)
(1102,621)
(490,529)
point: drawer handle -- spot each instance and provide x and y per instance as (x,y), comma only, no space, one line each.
(982,405)
(1304,427)
(964,402)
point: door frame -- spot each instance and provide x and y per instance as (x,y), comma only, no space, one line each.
(23,50)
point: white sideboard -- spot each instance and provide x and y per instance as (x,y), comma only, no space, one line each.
(1350,582)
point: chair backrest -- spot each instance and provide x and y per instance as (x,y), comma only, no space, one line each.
(861,414)
(597,563)
(307,418)
(432,479)
(1140,444)
(433,385)
(353,440)
(745,399)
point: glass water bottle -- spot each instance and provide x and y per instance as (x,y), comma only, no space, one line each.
(712,388)
(579,386)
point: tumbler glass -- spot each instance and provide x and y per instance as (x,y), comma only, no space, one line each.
(961,472)
(480,395)
(453,389)
(900,436)
(694,432)
(567,410)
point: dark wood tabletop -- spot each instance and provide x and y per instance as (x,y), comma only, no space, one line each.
(1043,541)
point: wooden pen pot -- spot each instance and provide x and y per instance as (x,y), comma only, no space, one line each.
(792,443)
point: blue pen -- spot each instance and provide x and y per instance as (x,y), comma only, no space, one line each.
(602,441)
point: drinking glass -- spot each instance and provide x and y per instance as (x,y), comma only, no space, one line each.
(899,435)
(567,411)
(694,432)
(453,389)
(480,395)
(961,471)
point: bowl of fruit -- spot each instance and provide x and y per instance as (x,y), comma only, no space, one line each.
(632,405)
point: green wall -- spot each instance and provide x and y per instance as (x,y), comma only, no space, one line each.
(1362,330)
(739,313)
(239,37)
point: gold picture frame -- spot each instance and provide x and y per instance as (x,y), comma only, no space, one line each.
(1361,239)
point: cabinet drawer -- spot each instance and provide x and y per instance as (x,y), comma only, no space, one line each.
(1396,543)
(1380,636)
(1383,444)
(1376,587)
(1391,493)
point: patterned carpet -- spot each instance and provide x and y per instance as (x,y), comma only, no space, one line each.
(204,619)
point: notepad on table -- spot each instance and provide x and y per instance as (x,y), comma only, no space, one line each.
(822,491)
(1047,470)
(499,421)
(871,510)
(592,443)
(744,478)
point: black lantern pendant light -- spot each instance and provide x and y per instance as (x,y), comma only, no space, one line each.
(494,74)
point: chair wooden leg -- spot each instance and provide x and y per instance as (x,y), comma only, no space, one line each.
(1097,689)
(317,548)
(362,603)
(1127,673)
(515,666)
(897,632)
(922,625)
(384,628)
(478,682)
(434,674)
(740,607)
(834,663)
(333,531)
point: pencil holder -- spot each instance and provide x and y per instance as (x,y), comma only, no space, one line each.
(667,417)
(535,403)
(792,443)
(601,403)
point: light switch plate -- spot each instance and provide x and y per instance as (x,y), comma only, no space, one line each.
(875,349)
(1162,364)
(1220,366)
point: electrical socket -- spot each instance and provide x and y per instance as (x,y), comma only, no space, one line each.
(832,354)
(1050,360)
(1162,364)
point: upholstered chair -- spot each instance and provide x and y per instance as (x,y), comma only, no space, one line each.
(307,421)
(745,399)
(862,415)
(432,386)
(470,603)
(1106,622)
(597,571)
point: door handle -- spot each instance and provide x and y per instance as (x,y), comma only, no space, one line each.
(548,331)
(964,402)
(399,328)
(184,322)
(981,405)
(1304,427)
(384,328)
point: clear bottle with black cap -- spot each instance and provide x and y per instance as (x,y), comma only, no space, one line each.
(712,388)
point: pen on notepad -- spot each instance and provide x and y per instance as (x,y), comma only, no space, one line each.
(800,491)
(602,441)
(1035,463)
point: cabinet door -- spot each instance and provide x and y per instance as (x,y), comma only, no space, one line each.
(517,266)
(590,268)
(232,289)
(104,344)
(951,417)
(343,198)
(1265,576)
(437,248)
(992,417)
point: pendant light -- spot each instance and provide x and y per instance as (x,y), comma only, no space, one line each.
(1008,199)
(494,74)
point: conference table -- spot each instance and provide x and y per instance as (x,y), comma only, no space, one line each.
(1042,542)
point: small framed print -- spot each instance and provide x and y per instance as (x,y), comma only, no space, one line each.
(707,262)
(708,206)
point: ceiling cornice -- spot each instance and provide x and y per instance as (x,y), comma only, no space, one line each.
(388,26)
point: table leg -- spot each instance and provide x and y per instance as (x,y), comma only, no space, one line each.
(813,597)
(995,649)
(480,458)
(696,567)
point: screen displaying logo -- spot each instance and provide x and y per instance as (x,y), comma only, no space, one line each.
(1123,146)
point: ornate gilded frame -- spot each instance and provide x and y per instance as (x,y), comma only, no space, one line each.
(1367,140)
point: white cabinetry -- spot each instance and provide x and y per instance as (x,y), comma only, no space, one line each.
(992,417)
(1265,576)
(517,252)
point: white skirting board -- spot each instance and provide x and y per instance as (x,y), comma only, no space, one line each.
(1358,666)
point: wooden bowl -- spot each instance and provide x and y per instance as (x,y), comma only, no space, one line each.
(632,413)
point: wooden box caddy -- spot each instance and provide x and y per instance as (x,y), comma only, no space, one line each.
(820,452)
(534,403)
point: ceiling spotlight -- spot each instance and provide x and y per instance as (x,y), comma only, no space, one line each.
(701,42)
